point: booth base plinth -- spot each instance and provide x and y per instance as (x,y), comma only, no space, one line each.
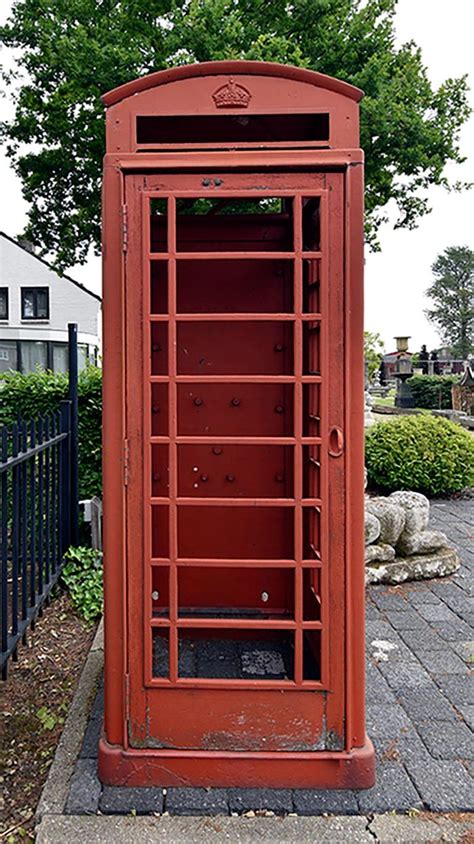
(186,768)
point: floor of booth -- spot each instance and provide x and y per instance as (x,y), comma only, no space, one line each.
(420,707)
(231,658)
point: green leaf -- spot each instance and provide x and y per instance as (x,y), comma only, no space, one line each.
(82,575)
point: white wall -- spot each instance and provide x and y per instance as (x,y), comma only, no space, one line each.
(67,301)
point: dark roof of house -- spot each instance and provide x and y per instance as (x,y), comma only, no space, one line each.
(389,356)
(50,267)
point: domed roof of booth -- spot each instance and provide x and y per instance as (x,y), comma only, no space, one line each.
(241,67)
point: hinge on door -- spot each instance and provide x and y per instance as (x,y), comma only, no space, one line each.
(124,228)
(125,462)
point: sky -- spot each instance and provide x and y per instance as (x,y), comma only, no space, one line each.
(397,277)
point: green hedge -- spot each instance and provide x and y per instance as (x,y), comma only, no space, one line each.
(30,396)
(423,453)
(432,391)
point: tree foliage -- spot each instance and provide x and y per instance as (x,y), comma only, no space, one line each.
(72,51)
(373,352)
(452,294)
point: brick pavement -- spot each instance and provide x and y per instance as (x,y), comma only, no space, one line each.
(420,710)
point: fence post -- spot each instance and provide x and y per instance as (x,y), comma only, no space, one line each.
(4,548)
(73,453)
(65,477)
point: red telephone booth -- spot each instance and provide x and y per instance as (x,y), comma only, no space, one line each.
(233,430)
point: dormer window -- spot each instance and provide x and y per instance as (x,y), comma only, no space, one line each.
(3,302)
(35,303)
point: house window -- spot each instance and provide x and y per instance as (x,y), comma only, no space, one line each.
(60,357)
(82,357)
(34,355)
(3,302)
(8,355)
(35,303)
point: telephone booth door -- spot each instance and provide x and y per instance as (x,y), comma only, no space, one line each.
(236,461)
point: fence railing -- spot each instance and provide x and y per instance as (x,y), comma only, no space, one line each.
(39,511)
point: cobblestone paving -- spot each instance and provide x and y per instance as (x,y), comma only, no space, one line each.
(420,710)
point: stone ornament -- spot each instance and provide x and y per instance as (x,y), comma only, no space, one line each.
(416,507)
(399,545)
(380,553)
(372,528)
(422,543)
(391,517)
(419,567)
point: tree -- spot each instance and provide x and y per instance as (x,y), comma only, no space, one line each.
(373,352)
(452,294)
(72,51)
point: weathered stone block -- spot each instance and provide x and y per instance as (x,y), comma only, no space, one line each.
(372,528)
(422,543)
(391,517)
(417,510)
(380,552)
(418,567)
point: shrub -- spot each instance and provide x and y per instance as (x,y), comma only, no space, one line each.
(432,391)
(423,453)
(29,396)
(82,575)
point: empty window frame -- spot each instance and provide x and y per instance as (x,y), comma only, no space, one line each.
(234,224)
(229,592)
(229,128)
(35,303)
(3,302)
(232,286)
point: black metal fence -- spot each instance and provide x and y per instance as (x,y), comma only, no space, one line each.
(39,517)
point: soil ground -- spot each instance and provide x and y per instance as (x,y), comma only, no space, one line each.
(34,702)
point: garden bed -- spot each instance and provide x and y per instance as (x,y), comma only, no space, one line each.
(34,703)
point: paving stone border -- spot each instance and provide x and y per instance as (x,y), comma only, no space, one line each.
(387,829)
(420,702)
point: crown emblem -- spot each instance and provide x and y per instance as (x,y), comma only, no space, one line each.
(231,95)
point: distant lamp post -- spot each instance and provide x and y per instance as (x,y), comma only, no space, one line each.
(402,343)
(403,371)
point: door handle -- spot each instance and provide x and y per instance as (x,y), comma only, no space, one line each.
(336,441)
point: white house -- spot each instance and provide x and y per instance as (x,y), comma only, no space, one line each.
(36,305)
